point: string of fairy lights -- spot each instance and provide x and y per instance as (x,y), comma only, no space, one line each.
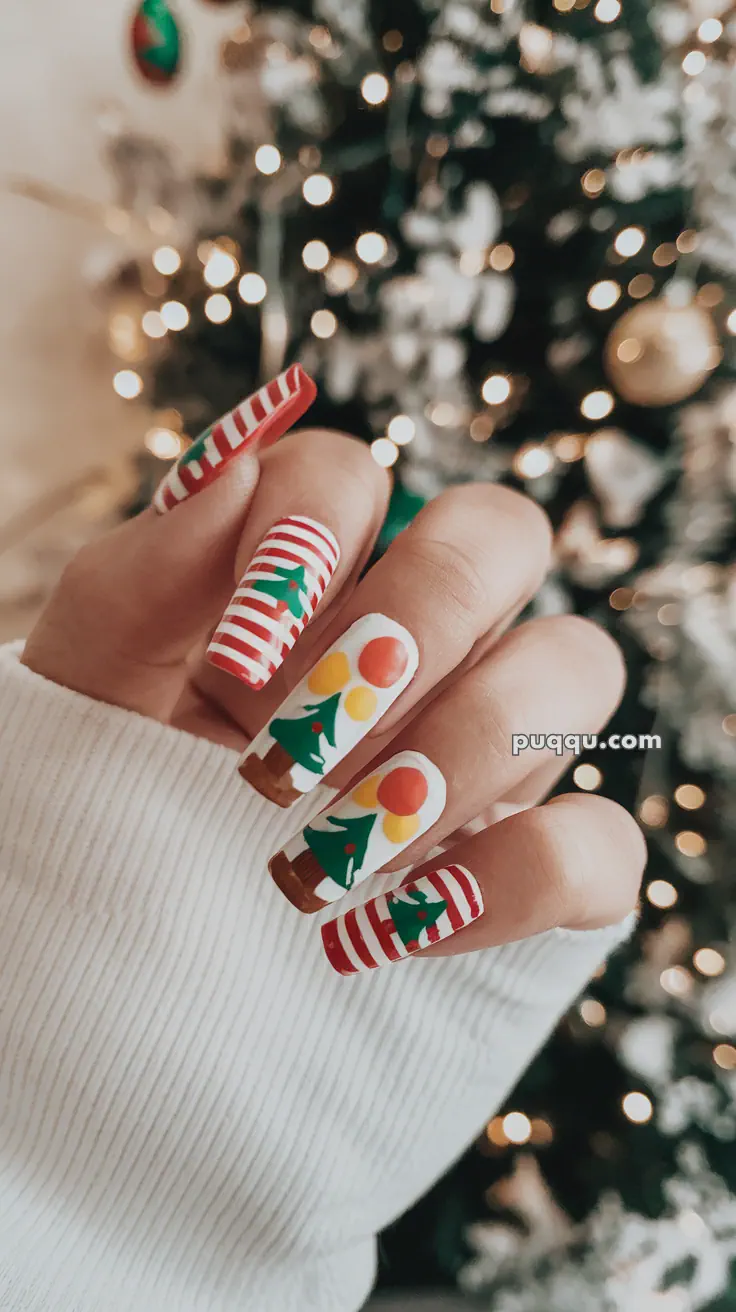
(340,272)
(222,275)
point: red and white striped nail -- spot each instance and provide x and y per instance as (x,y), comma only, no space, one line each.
(275,599)
(254,424)
(394,925)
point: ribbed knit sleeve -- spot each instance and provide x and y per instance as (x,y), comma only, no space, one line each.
(197,1113)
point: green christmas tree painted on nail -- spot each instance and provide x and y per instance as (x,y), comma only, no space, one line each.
(302,738)
(341,850)
(290,588)
(412,913)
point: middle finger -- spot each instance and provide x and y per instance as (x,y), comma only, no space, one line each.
(468,558)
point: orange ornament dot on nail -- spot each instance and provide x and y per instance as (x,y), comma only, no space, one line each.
(360,703)
(366,794)
(400,828)
(383,661)
(403,790)
(330,674)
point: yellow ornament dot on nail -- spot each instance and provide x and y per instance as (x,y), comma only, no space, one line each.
(366,794)
(400,828)
(330,675)
(361,703)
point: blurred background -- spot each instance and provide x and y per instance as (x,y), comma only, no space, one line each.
(503,237)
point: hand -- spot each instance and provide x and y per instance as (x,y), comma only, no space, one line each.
(445,684)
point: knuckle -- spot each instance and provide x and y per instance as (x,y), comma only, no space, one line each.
(485,512)
(450,575)
(495,725)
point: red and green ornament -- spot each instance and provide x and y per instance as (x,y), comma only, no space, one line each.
(156,42)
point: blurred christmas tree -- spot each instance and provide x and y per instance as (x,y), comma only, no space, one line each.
(502,238)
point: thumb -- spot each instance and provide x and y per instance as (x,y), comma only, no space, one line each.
(132,606)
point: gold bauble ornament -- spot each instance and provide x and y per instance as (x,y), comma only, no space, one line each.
(658,353)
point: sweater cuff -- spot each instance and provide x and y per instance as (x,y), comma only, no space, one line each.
(96,800)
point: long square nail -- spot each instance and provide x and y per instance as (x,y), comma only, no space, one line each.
(254,424)
(334,706)
(275,599)
(392,926)
(362,832)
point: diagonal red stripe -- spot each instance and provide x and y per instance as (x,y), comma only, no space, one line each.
(314,547)
(234,667)
(273,392)
(259,414)
(383,929)
(267,606)
(336,954)
(468,888)
(250,626)
(239,421)
(240,644)
(288,625)
(357,940)
(288,412)
(456,919)
(221,443)
(270,549)
(309,527)
(188,480)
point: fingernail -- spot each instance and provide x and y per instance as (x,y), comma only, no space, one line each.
(333,707)
(257,422)
(394,925)
(275,599)
(361,833)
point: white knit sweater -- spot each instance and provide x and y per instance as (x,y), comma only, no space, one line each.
(197,1113)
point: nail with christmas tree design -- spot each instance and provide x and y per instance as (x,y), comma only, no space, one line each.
(392,926)
(253,425)
(362,832)
(275,599)
(333,707)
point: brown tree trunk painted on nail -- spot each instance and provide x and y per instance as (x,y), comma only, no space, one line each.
(298,879)
(271,776)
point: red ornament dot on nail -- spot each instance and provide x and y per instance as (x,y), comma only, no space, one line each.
(349,849)
(421,915)
(317,727)
(383,661)
(403,790)
(293,586)
(413,945)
